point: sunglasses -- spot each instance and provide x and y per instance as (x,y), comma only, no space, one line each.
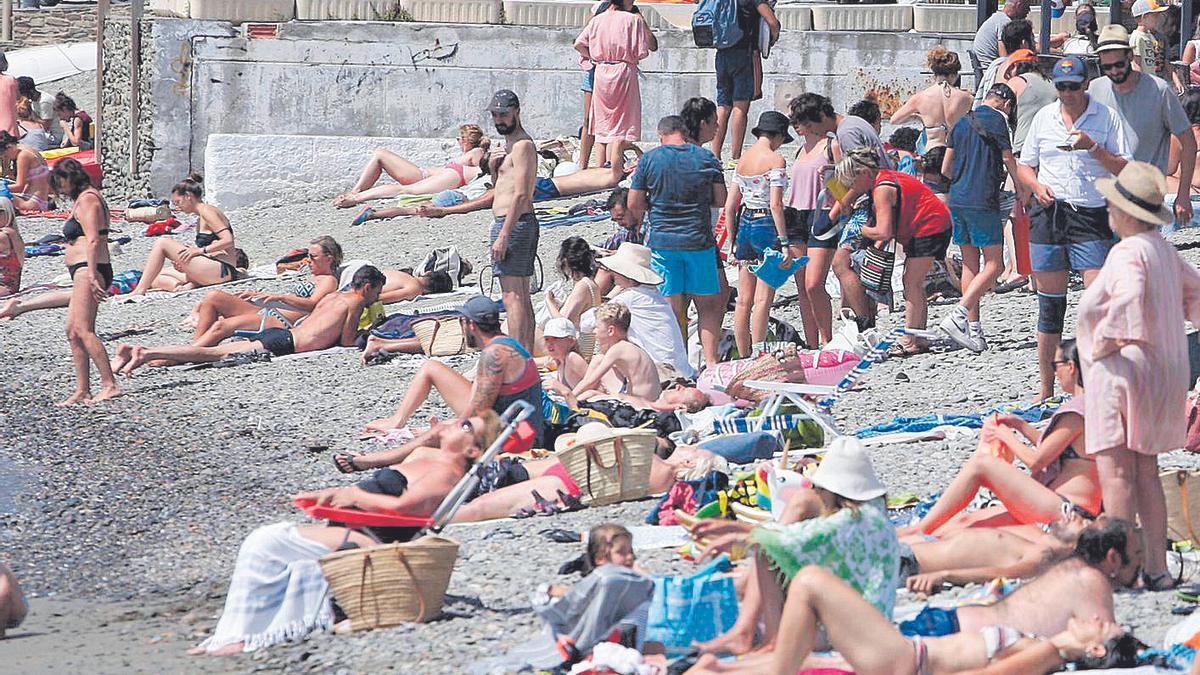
(1115,65)
(1068,86)
(1059,363)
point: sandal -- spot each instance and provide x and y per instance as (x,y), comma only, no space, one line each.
(1159,582)
(1011,285)
(362,216)
(345,463)
(902,351)
(543,506)
(569,503)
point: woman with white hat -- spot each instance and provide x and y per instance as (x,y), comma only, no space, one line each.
(1132,344)
(840,525)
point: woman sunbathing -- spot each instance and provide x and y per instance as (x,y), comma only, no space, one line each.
(414,180)
(221,313)
(30,186)
(213,260)
(1063,477)
(12,249)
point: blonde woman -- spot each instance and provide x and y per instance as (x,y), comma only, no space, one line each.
(414,180)
(12,249)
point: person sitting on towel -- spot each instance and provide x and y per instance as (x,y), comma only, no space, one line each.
(278,592)
(506,372)
(621,366)
(333,322)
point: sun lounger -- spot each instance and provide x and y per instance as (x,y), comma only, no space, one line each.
(795,394)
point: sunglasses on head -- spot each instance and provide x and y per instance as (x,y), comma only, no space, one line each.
(1068,86)
(1115,65)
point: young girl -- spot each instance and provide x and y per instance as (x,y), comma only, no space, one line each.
(76,124)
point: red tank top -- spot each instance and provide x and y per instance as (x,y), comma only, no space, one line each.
(920,212)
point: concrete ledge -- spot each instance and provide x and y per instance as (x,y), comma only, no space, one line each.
(1064,23)
(457,11)
(241,11)
(944,19)
(553,13)
(345,10)
(245,169)
(176,8)
(794,17)
(885,18)
(667,16)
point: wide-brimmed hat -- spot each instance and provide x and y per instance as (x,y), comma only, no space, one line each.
(632,261)
(772,122)
(1139,191)
(591,434)
(1113,36)
(846,471)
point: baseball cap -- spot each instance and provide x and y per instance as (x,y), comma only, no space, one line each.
(560,327)
(1143,7)
(1070,69)
(482,310)
(503,101)
(1113,36)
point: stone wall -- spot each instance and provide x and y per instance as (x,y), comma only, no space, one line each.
(52,26)
(122,179)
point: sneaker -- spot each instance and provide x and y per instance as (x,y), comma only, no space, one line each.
(976,333)
(955,325)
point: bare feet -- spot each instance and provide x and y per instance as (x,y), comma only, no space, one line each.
(345,200)
(8,311)
(370,350)
(235,648)
(735,643)
(137,357)
(77,397)
(121,357)
(106,392)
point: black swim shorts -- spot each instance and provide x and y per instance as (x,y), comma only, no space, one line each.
(278,341)
(522,247)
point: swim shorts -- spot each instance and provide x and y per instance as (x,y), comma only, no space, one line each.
(385,482)
(693,272)
(522,247)
(544,189)
(278,341)
(933,246)
(735,75)
(932,622)
(977,227)
(1063,235)
(589,80)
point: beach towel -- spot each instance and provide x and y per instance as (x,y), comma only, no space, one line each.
(1030,413)
(277,592)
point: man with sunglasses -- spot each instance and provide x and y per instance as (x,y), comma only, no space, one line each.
(1150,110)
(1069,147)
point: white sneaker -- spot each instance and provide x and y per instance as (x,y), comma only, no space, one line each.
(977,334)
(956,326)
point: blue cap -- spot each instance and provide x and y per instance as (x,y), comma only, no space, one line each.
(1070,69)
(482,310)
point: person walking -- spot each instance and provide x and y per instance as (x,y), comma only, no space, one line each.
(737,78)
(1131,343)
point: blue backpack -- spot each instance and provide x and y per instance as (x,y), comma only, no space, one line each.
(715,24)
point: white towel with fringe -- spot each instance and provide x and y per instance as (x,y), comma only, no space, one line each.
(278,592)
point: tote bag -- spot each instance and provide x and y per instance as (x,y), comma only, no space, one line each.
(687,609)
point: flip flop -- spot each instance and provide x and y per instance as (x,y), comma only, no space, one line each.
(345,463)
(362,216)
(569,503)
(1011,285)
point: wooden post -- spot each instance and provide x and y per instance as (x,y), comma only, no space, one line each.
(102,7)
(1044,43)
(6,20)
(135,89)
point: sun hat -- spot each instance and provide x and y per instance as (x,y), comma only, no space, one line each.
(1070,69)
(1143,7)
(1113,36)
(590,434)
(560,327)
(482,310)
(772,122)
(632,261)
(846,471)
(1019,56)
(1138,190)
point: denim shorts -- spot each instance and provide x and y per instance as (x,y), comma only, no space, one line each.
(589,80)
(735,75)
(1084,255)
(686,272)
(1064,236)
(977,227)
(755,235)
(799,228)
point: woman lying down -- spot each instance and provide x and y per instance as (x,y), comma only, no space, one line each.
(278,592)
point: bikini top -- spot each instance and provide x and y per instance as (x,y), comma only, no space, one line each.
(207,238)
(72,230)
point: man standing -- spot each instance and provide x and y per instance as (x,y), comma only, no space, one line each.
(1069,147)
(1015,35)
(977,153)
(677,184)
(737,75)
(987,45)
(815,112)
(514,233)
(1150,110)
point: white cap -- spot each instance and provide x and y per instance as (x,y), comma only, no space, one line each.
(1143,7)
(560,328)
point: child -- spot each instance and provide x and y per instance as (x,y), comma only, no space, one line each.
(1147,45)
(930,166)
(622,367)
(561,337)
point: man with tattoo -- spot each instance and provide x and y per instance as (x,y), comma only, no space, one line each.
(514,232)
(506,373)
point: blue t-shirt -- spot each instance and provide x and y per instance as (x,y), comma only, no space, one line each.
(977,171)
(678,182)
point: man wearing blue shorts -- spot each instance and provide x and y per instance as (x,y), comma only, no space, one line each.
(738,82)
(676,185)
(1070,145)
(977,152)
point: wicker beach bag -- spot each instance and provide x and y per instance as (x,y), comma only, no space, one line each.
(391,584)
(441,336)
(1182,490)
(613,470)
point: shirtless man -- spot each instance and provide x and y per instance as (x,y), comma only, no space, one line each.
(514,232)
(622,367)
(506,372)
(673,398)
(401,285)
(334,321)
(978,555)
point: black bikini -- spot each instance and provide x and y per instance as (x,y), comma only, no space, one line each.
(204,239)
(72,231)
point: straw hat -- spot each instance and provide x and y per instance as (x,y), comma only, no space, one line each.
(1113,36)
(632,261)
(1138,191)
(846,471)
(591,434)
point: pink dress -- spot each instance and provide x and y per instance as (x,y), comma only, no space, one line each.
(8,104)
(616,41)
(1133,347)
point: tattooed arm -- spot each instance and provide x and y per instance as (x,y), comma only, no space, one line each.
(489,377)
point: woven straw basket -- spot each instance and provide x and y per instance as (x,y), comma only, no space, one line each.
(442,336)
(391,584)
(613,470)
(1182,491)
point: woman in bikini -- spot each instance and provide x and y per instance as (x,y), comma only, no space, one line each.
(1062,478)
(30,184)
(414,180)
(939,105)
(577,264)
(221,313)
(213,260)
(12,249)
(86,233)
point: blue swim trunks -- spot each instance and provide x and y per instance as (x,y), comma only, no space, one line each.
(932,622)
(691,272)
(544,189)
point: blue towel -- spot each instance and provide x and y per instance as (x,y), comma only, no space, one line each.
(1031,413)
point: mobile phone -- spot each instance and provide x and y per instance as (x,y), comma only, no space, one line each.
(1065,146)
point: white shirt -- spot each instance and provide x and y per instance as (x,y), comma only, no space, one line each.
(1072,175)
(652,326)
